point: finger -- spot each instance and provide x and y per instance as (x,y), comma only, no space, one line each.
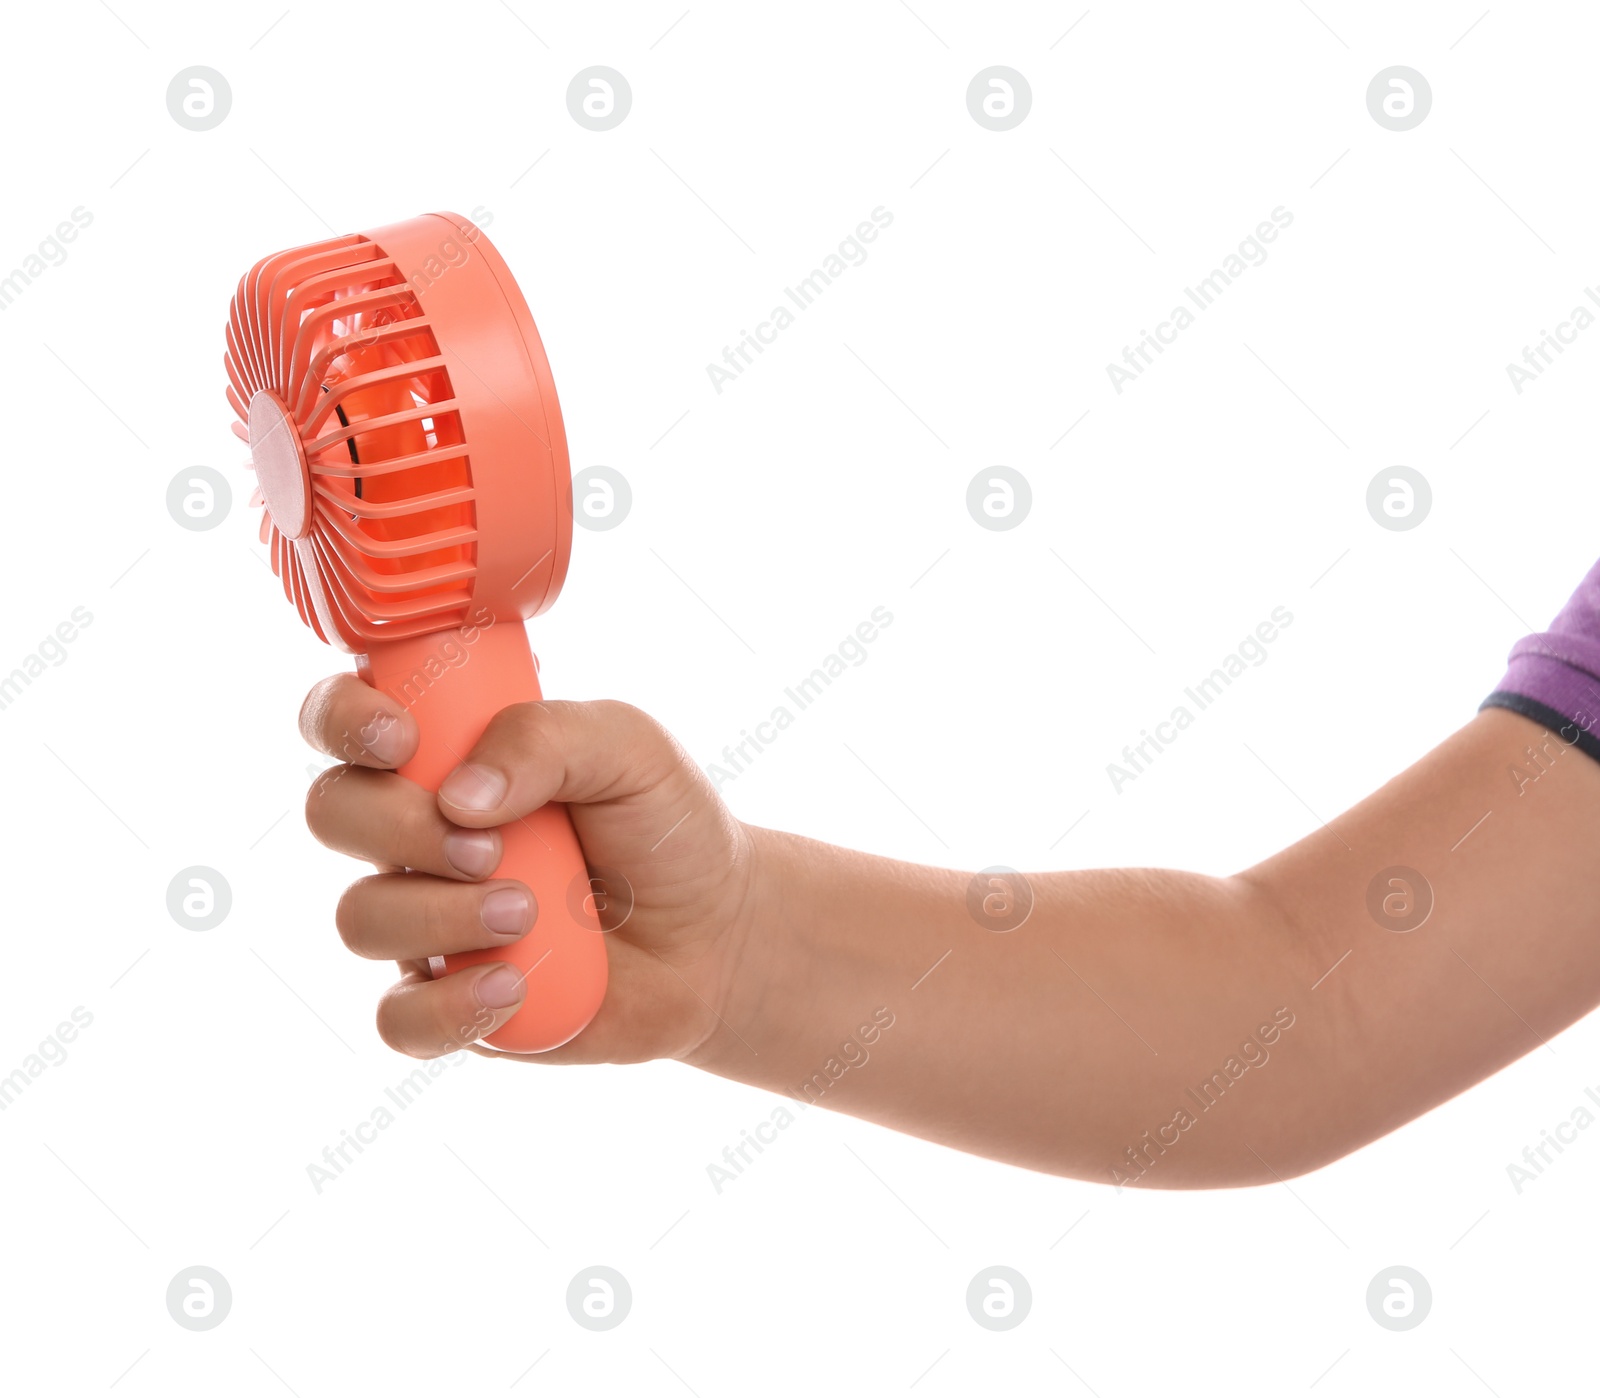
(386,819)
(428,1019)
(403,917)
(347,718)
(643,1012)
(538,752)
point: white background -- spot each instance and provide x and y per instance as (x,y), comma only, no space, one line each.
(828,480)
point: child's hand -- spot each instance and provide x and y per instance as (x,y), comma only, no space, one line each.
(641,808)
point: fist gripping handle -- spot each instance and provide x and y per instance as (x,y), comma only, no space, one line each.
(454,682)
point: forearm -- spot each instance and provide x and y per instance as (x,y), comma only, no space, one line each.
(1056,1046)
(1173,1028)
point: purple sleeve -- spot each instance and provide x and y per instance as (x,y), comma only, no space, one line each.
(1553,677)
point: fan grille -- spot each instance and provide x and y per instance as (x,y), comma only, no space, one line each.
(329,343)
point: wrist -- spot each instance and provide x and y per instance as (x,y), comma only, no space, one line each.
(750,957)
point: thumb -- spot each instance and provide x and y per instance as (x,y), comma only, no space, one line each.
(575,752)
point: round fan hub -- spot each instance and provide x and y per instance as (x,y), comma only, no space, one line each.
(280,462)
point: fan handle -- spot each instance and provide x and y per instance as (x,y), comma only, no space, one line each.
(454,682)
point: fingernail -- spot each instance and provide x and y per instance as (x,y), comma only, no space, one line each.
(388,739)
(500,988)
(505,912)
(471,788)
(472,852)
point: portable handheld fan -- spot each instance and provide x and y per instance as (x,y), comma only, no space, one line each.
(410,456)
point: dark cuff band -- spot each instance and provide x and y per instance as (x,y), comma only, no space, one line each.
(1568,730)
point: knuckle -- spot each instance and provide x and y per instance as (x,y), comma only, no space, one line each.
(387,1020)
(347,914)
(407,833)
(529,721)
(533,733)
(316,710)
(318,798)
(436,918)
(623,711)
(657,750)
(394,1021)
(635,723)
